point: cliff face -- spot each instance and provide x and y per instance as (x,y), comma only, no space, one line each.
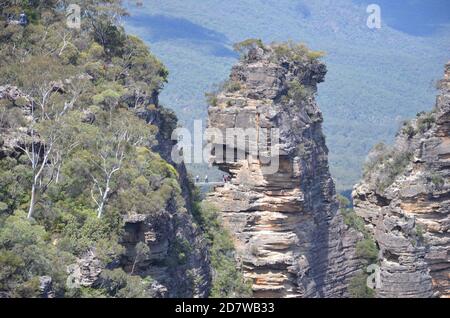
(178,262)
(288,234)
(405,200)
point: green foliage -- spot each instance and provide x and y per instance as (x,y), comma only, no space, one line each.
(119,284)
(352,220)
(344,203)
(25,254)
(358,287)
(425,121)
(148,184)
(409,130)
(419,231)
(315,55)
(367,250)
(437,179)
(211,99)
(179,252)
(384,165)
(10,116)
(297,92)
(246,45)
(15,180)
(297,52)
(228,280)
(81,230)
(88,87)
(232,86)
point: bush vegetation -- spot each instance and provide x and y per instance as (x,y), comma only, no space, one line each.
(384,165)
(297,52)
(66,191)
(228,280)
(297,92)
(358,287)
(425,121)
(366,250)
(245,46)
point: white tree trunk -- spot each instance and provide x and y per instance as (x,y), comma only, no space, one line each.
(104,199)
(33,194)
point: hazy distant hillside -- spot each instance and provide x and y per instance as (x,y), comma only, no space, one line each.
(376,78)
(415,17)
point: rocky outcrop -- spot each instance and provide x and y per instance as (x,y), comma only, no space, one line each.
(405,201)
(178,261)
(46,287)
(285,223)
(86,271)
(14,132)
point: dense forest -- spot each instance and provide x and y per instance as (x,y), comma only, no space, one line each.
(82,147)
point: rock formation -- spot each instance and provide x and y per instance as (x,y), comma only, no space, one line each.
(288,234)
(12,135)
(178,261)
(405,200)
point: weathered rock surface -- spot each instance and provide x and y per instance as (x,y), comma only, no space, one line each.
(286,227)
(12,137)
(86,271)
(410,218)
(168,235)
(46,287)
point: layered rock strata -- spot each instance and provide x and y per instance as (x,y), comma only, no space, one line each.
(406,204)
(286,228)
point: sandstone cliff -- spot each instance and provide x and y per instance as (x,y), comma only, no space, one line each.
(288,234)
(405,201)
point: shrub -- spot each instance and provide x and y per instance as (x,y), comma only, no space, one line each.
(119,284)
(354,221)
(367,250)
(211,99)
(232,86)
(384,165)
(409,130)
(228,280)
(343,202)
(297,52)
(26,254)
(358,287)
(425,121)
(246,45)
(437,180)
(179,252)
(420,232)
(396,164)
(297,92)
(315,55)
